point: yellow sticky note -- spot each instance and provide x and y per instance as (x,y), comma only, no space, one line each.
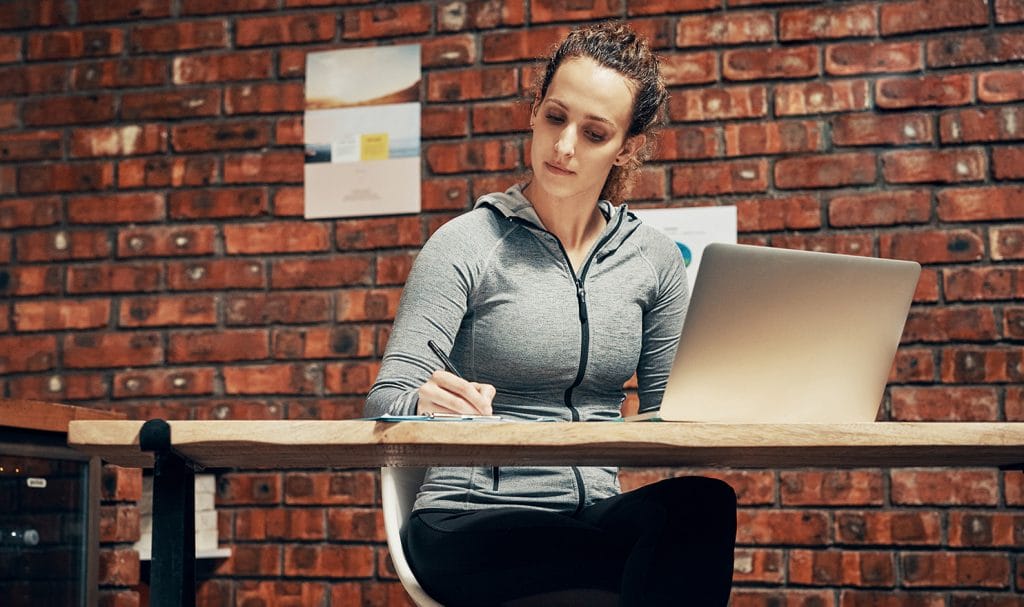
(373,146)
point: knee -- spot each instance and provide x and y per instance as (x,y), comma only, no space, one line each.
(705,493)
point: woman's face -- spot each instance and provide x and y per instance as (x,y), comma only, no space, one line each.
(580,127)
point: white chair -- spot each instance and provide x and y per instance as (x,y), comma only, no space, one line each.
(398,488)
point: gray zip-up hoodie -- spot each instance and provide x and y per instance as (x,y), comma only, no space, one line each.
(497,288)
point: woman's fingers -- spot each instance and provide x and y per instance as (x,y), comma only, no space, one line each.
(448,393)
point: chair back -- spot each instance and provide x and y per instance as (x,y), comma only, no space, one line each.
(398,487)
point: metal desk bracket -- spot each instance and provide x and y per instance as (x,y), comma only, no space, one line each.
(173,566)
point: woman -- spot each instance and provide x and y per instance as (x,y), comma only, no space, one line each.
(549,298)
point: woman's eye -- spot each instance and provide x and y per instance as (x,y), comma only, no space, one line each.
(555,119)
(595,136)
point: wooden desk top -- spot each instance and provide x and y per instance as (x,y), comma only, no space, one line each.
(359,443)
(49,417)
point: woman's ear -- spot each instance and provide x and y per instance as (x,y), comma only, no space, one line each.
(630,149)
(533,112)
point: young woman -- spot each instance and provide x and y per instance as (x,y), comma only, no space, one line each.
(549,298)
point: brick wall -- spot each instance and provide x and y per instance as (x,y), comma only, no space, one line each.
(155,260)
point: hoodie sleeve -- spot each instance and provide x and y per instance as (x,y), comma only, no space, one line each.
(433,304)
(662,323)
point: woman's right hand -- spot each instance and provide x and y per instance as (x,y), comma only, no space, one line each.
(446,392)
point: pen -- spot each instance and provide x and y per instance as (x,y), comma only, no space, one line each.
(448,366)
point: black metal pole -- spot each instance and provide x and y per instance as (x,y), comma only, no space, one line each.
(172,580)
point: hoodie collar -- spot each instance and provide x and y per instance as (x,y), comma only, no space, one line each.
(512,205)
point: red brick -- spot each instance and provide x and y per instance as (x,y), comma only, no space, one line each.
(203,137)
(647,183)
(519,45)
(387,21)
(280,593)
(770,214)
(658,7)
(32,145)
(854,58)
(347,488)
(951,324)
(165,171)
(323,561)
(448,51)
(258,238)
(105,350)
(917,487)
(34,79)
(61,315)
(881,209)
(122,10)
(479,14)
(288,131)
(981,204)
(218,346)
(378,233)
(1006,243)
(841,568)
(924,91)
(8,114)
(659,32)
(119,73)
(252,560)
(825,171)
(40,246)
(1009,11)
(547,11)
(848,244)
(355,524)
(350,378)
(339,342)
(10,49)
(26,353)
(718,103)
(226,67)
(50,388)
(33,280)
(944,404)
(472,84)
(758,565)
(267,167)
(985,529)
(963,49)
(183,103)
(179,37)
(264,98)
(165,241)
(501,117)
(1013,327)
(289,202)
(893,527)
(818,23)
(689,142)
(237,409)
(1007,163)
(955,569)
(832,488)
(291,29)
(119,524)
(65,177)
(935,246)
(34,212)
(168,311)
(489,155)
(890,598)
(327,408)
(924,15)
(241,489)
(983,284)
(118,567)
(943,166)
(743,597)
(876,129)
(76,110)
(116,208)
(329,272)
(822,97)
(725,29)
(271,308)
(216,275)
(218,203)
(963,364)
(436,194)
(760,138)
(1001,86)
(205,7)
(712,178)
(368,304)
(164,382)
(445,121)
(119,484)
(768,527)
(281,524)
(689,68)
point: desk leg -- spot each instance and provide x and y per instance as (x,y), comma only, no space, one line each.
(172,580)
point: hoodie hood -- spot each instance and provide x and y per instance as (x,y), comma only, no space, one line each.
(513,205)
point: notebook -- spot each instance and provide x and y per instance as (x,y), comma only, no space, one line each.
(777,335)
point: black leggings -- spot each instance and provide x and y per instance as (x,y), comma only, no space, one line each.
(669,543)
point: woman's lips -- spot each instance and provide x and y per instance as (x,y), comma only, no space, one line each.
(557,170)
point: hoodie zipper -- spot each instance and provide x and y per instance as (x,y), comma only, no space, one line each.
(581,299)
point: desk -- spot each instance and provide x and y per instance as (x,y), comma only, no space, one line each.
(177,448)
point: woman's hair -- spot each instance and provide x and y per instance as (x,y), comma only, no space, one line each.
(616,46)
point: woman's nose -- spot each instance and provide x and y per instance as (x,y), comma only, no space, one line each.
(565,145)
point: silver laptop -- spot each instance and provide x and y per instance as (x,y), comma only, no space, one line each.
(777,335)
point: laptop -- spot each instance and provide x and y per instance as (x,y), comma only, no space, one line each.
(784,336)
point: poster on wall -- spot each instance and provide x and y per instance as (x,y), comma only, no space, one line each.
(362,132)
(692,229)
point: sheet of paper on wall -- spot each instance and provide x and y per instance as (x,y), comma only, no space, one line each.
(692,229)
(362,132)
